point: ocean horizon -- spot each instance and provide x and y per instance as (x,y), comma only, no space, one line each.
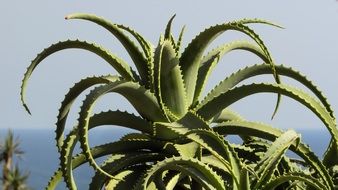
(41,158)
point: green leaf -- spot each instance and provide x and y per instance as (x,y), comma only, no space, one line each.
(270,133)
(210,108)
(221,149)
(114,167)
(245,182)
(167,34)
(114,118)
(174,179)
(256,70)
(69,99)
(145,45)
(103,150)
(139,60)
(173,131)
(209,61)
(301,177)
(168,83)
(259,21)
(119,65)
(214,162)
(226,115)
(137,172)
(208,140)
(192,55)
(189,166)
(142,100)
(179,41)
(268,164)
(148,50)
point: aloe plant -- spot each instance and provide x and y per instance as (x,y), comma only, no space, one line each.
(181,140)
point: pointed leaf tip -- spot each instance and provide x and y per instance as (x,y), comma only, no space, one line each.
(69,16)
(27,109)
(168,28)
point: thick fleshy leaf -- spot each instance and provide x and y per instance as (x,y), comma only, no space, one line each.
(114,167)
(259,21)
(208,109)
(173,131)
(69,99)
(142,100)
(134,173)
(169,85)
(189,166)
(173,180)
(103,150)
(148,50)
(167,34)
(140,61)
(192,55)
(119,65)
(270,133)
(113,118)
(145,44)
(268,164)
(209,141)
(179,41)
(221,149)
(226,115)
(255,70)
(300,177)
(209,61)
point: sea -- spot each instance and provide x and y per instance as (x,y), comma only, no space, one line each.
(40,157)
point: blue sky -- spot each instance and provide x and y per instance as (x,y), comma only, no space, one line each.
(309,44)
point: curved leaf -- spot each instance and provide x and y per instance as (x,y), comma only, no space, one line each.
(268,164)
(171,81)
(142,100)
(208,109)
(226,115)
(147,49)
(113,167)
(69,99)
(134,173)
(261,69)
(167,34)
(120,66)
(311,181)
(191,57)
(179,41)
(270,133)
(119,118)
(126,146)
(189,166)
(259,21)
(221,149)
(212,58)
(140,61)
(169,86)
(103,150)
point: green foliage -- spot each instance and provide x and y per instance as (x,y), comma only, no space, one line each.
(11,178)
(182,141)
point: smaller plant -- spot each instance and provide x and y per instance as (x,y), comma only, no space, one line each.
(12,178)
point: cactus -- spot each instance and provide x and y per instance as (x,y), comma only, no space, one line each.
(181,140)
